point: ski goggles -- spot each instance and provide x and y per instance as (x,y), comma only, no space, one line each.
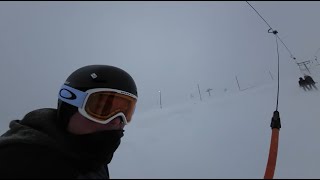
(100,105)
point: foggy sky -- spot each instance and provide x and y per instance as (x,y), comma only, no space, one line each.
(166,46)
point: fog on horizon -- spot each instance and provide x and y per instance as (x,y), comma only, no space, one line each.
(166,46)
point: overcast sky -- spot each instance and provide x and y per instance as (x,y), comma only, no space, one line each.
(166,46)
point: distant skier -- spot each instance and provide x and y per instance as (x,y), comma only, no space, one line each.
(303,84)
(310,82)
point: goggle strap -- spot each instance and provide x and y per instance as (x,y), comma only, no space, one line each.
(72,96)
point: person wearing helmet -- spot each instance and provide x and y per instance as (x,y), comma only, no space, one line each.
(79,138)
(310,82)
(303,84)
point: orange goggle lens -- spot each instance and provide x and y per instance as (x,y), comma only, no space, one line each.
(104,105)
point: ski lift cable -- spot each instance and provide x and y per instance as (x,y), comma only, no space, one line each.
(316,52)
(275,34)
(275,120)
(277,37)
(287,49)
(259,15)
(278,74)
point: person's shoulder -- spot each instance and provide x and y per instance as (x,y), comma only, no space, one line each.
(25,152)
(38,115)
(30,160)
(41,111)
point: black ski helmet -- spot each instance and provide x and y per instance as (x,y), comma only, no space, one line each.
(94,76)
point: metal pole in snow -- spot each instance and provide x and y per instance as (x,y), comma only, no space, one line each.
(199,92)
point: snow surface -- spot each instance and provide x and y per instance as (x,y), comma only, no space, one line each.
(224,137)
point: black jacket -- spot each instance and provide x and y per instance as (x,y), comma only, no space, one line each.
(302,82)
(309,80)
(36,148)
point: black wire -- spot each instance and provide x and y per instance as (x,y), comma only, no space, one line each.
(272,28)
(286,47)
(276,36)
(278,73)
(259,15)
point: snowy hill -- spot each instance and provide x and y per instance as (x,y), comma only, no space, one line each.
(225,138)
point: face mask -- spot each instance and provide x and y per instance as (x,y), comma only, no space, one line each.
(96,149)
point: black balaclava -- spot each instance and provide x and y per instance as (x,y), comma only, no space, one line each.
(93,150)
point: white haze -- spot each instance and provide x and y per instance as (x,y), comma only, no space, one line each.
(225,137)
(173,47)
